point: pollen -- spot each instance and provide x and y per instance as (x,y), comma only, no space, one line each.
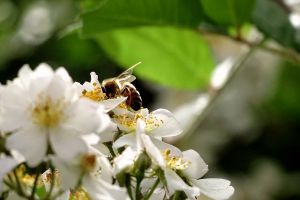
(48,113)
(88,162)
(175,162)
(96,94)
(129,120)
(80,194)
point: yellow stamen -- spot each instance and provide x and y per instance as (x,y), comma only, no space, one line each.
(48,113)
(96,94)
(88,162)
(174,162)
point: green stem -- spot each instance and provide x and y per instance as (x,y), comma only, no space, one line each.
(152,189)
(284,52)
(35,184)
(137,189)
(215,95)
(128,186)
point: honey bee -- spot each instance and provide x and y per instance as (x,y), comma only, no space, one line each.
(121,86)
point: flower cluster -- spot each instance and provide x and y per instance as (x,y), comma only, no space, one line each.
(66,140)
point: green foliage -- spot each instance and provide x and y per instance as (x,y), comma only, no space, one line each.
(274,22)
(285,101)
(228,12)
(173,57)
(116,14)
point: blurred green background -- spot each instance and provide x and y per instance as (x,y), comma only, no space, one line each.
(229,70)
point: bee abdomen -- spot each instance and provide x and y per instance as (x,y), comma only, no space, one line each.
(134,99)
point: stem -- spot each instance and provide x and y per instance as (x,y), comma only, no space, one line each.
(284,52)
(152,189)
(137,189)
(128,186)
(198,120)
(35,183)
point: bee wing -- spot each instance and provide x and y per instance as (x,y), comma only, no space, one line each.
(127,76)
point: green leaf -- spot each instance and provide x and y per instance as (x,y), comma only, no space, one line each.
(172,57)
(116,14)
(228,12)
(274,22)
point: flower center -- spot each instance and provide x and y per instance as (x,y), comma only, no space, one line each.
(88,162)
(129,120)
(48,113)
(174,162)
(96,94)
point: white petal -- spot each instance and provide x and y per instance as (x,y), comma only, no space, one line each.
(102,149)
(140,130)
(108,134)
(62,72)
(69,173)
(106,169)
(25,74)
(197,167)
(43,70)
(7,164)
(86,117)
(31,142)
(56,88)
(163,146)
(94,78)
(67,145)
(110,104)
(170,126)
(214,188)
(175,183)
(153,151)
(91,139)
(125,160)
(14,108)
(128,139)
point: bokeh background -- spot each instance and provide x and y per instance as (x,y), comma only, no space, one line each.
(243,117)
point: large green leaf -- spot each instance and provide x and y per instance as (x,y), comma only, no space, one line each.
(173,57)
(228,12)
(129,13)
(274,21)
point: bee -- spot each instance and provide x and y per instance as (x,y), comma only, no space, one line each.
(121,86)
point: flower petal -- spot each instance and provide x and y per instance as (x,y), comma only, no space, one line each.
(175,183)
(31,142)
(197,167)
(170,126)
(110,104)
(153,151)
(128,139)
(87,117)
(70,174)
(215,188)
(163,146)
(67,145)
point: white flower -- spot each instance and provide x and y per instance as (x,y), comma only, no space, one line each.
(42,107)
(95,172)
(214,188)
(189,163)
(158,124)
